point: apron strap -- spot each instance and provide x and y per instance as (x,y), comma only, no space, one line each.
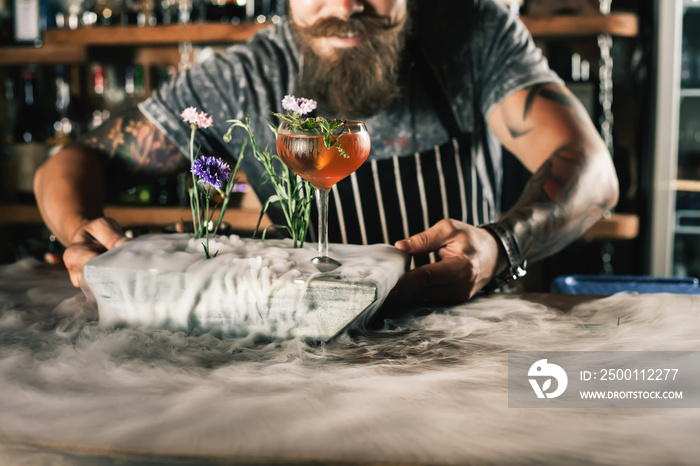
(434,89)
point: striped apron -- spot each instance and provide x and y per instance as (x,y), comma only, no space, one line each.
(391,199)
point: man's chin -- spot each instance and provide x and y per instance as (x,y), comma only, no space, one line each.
(353,75)
(329,48)
(339,42)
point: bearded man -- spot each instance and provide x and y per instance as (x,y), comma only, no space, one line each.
(441,86)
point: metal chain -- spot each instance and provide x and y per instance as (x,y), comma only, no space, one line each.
(605,74)
(186,55)
(185,48)
(605,97)
(605,90)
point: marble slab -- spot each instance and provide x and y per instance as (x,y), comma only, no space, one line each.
(249,287)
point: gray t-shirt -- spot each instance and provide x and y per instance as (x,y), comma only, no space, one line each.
(477,54)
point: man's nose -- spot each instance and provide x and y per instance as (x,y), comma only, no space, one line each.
(344,9)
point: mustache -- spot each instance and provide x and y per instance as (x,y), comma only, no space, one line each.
(362,25)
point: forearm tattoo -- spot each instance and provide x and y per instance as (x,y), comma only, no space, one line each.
(131,142)
(556,206)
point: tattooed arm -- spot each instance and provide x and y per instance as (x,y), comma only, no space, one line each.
(573,183)
(70,186)
(573,180)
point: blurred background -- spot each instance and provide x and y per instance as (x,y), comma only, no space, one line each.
(66,66)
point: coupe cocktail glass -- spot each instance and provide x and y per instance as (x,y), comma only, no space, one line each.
(306,155)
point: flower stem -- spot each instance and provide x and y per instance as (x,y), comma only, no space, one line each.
(206,225)
(196,208)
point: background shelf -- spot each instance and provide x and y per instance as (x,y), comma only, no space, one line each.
(69,46)
(617,226)
(616,24)
(690,92)
(163,34)
(127,216)
(48,54)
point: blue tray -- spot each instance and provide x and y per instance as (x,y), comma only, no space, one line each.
(611,284)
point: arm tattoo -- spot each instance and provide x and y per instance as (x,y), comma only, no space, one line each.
(553,94)
(133,143)
(516,133)
(552,211)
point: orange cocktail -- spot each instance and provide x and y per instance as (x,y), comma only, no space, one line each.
(306,154)
(308,157)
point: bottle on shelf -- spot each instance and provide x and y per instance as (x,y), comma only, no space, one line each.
(31,19)
(687,68)
(53,253)
(29,150)
(27,21)
(65,121)
(98,103)
(110,12)
(260,11)
(168,11)
(257,10)
(30,126)
(114,92)
(163,74)
(133,85)
(141,12)
(690,50)
(185,11)
(69,14)
(226,11)
(6,28)
(8,117)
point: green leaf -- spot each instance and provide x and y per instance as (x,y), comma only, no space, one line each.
(295,206)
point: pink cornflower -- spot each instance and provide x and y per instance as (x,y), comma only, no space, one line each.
(200,119)
(298,105)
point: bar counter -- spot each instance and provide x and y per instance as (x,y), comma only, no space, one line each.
(428,387)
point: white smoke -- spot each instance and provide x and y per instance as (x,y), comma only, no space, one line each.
(428,388)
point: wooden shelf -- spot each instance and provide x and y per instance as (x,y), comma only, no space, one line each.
(686,185)
(690,92)
(239,219)
(616,24)
(615,227)
(53,54)
(69,46)
(148,35)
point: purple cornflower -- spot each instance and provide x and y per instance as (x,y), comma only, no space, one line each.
(298,105)
(200,119)
(211,170)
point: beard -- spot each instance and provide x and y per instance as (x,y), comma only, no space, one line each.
(356,81)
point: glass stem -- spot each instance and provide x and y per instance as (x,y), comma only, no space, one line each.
(322,195)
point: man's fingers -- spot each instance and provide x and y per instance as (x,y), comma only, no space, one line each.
(92,239)
(430,240)
(432,274)
(439,294)
(445,294)
(106,232)
(434,280)
(75,256)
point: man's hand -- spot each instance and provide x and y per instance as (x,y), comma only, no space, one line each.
(70,186)
(90,240)
(470,257)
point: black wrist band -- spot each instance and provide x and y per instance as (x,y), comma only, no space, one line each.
(516,266)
